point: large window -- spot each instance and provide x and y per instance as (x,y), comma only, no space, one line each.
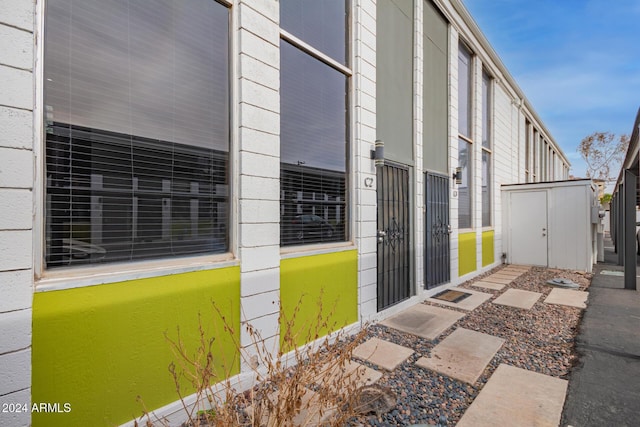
(534,150)
(137,130)
(465,158)
(527,151)
(486,150)
(314,82)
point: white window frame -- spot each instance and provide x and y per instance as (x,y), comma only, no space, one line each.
(99,274)
(293,251)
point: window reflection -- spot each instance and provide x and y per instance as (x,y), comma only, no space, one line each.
(321,23)
(464,189)
(313,149)
(137,129)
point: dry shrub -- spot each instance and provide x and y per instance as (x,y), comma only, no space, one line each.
(314,385)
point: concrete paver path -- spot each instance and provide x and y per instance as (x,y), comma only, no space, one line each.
(423,320)
(518,298)
(463,355)
(516,397)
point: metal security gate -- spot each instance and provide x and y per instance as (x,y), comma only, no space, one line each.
(394,273)
(437,256)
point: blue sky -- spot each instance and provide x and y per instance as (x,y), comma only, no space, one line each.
(577,61)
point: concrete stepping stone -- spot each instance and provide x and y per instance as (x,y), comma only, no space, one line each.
(423,320)
(517,398)
(570,297)
(518,267)
(518,298)
(352,371)
(509,277)
(384,354)
(488,285)
(510,271)
(463,355)
(469,303)
(498,280)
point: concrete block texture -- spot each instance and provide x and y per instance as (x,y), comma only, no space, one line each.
(17,128)
(259,23)
(259,48)
(16,418)
(16,290)
(16,168)
(260,258)
(259,142)
(261,305)
(252,69)
(259,281)
(18,13)
(15,330)
(16,209)
(268,8)
(17,90)
(260,165)
(259,119)
(15,371)
(20,53)
(15,250)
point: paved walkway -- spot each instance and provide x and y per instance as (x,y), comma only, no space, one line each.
(604,388)
(512,395)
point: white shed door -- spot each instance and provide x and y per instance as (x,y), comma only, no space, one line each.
(529,228)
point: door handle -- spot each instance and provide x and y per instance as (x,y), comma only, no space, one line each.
(381,235)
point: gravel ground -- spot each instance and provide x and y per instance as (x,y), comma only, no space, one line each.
(541,339)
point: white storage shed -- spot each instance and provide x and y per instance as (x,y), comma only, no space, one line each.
(551,224)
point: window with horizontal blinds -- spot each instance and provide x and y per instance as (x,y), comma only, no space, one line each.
(486,150)
(464,91)
(465,207)
(314,107)
(465,138)
(137,130)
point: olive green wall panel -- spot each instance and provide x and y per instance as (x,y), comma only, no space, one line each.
(317,286)
(466,253)
(98,347)
(488,251)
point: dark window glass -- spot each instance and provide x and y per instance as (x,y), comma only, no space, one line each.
(535,155)
(464,91)
(322,24)
(137,130)
(486,189)
(313,147)
(486,111)
(527,151)
(464,189)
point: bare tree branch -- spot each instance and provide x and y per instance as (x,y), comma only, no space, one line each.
(603,153)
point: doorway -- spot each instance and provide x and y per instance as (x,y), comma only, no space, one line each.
(394,254)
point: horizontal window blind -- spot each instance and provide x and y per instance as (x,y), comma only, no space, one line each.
(313,149)
(137,130)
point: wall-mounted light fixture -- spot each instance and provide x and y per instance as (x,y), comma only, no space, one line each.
(457,175)
(378,154)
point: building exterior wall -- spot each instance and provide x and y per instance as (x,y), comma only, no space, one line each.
(16,201)
(395,93)
(99,347)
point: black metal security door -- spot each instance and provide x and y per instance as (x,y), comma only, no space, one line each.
(437,258)
(394,280)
